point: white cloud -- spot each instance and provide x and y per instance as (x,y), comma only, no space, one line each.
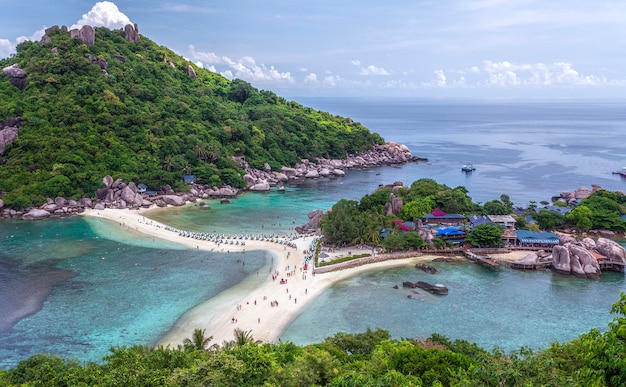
(245,68)
(505,74)
(310,78)
(373,70)
(103,14)
(6,48)
(369,70)
(331,80)
(440,77)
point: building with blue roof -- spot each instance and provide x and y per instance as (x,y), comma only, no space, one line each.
(537,239)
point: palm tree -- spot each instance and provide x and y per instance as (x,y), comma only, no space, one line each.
(244,337)
(198,341)
(201,152)
(168,164)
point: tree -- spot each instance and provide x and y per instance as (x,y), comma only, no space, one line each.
(198,341)
(485,235)
(244,337)
(339,224)
(548,220)
(495,207)
(394,242)
(580,217)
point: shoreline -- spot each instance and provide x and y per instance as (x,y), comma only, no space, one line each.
(237,307)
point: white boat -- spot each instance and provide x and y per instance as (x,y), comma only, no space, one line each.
(468,167)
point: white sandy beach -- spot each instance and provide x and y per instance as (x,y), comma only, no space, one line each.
(252,310)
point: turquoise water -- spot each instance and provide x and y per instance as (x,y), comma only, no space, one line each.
(504,308)
(75,287)
(88,293)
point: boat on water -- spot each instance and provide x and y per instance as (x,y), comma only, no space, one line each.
(469,167)
(622,173)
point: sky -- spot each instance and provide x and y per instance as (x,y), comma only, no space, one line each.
(423,49)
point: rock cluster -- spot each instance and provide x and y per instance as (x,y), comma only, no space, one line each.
(572,256)
(100,62)
(118,194)
(8,132)
(18,76)
(431,288)
(386,154)
(570,197)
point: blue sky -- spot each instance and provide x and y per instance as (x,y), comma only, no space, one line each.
(442,49)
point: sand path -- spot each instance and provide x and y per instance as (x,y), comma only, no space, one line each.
(249,310)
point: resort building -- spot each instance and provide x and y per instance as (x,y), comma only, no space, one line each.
(528,238)
(505,221)
(439,217)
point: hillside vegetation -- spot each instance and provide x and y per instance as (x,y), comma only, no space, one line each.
(148,121)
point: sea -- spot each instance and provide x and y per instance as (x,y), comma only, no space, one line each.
(78,286)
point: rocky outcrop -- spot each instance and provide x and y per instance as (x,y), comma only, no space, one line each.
(394,205)
(100,62)
(8,132)
(426,268)
(434,289)
(36,213)
(86,33)
(18,76)
(611,250)
(191,72)
(313,225)
(386,154)
(575,259)
(131,33)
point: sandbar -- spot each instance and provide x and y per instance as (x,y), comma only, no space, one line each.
(267,309)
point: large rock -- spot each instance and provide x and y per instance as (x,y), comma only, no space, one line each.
(611,249)
(128,195)
(7,136)
(191,72)
(102,193)
(588,262)
(312,174)
(36,213)
(313,224)
(131,32)
(561,259)
(86,33)
(173,200)
(260,186)
(108,181)
(394,206)
(18,76)
(14,71)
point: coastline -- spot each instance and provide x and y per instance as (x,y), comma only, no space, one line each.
(251,309)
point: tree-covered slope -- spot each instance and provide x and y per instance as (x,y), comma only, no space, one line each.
(148,121)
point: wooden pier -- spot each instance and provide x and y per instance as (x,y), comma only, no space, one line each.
(485,261)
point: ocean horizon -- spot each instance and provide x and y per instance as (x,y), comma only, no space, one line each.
(89,284)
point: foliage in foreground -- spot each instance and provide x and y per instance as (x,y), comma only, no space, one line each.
(371,358)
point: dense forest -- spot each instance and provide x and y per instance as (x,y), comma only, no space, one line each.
(371,358)
(149,119)
(368,221)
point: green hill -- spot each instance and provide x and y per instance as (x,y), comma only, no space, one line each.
(149,116)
